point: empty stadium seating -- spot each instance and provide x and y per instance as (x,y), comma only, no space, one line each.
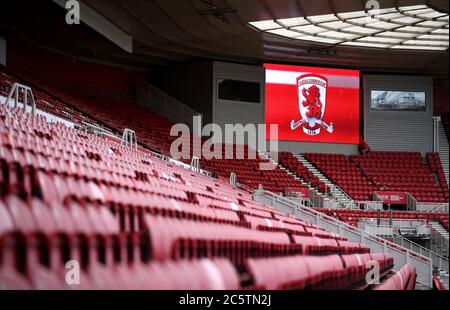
(437,284)
(436,167)
(68,194)
(344,173)
(132,219)
(446,123)
(249,172)
(404,279)
(289,161)
(154,132)
(361,175)
(401,171)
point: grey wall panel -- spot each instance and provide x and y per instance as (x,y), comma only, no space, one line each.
(232,112)
(2,52)
(328,148)
(399,130)
(189,83)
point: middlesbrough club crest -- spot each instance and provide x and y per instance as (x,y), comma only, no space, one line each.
(312,96)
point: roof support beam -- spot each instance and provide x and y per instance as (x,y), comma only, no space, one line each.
(103,26)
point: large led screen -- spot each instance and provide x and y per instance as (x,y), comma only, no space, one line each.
(312,104)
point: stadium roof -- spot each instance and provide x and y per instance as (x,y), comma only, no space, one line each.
(171,31)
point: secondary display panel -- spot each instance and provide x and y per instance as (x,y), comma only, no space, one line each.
(312,104)
(385,100)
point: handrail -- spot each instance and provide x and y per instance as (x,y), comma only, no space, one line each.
(328,218)
(334,186)
(422,262)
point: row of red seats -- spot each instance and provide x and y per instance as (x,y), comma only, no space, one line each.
(404,279)
(300,272)
(68,195)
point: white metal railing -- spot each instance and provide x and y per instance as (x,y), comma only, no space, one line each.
(96,130)
(438,260)
(432,207)
(396,223)
(440,243)
(369,205)
(402,255)
(411,202)
(16,91)
(377,230)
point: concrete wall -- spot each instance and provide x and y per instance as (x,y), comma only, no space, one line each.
(2,51)
(399,130)
(233,112)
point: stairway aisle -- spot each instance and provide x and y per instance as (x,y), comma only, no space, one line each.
(336,192)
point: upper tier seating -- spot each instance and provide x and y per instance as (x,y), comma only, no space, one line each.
(401,171)
(344,173)
(131,220)
(154,132)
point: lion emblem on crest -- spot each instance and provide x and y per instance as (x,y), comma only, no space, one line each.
(312,94)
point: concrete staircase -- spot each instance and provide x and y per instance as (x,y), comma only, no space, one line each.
(267,156)
(337,193)
(443,149)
